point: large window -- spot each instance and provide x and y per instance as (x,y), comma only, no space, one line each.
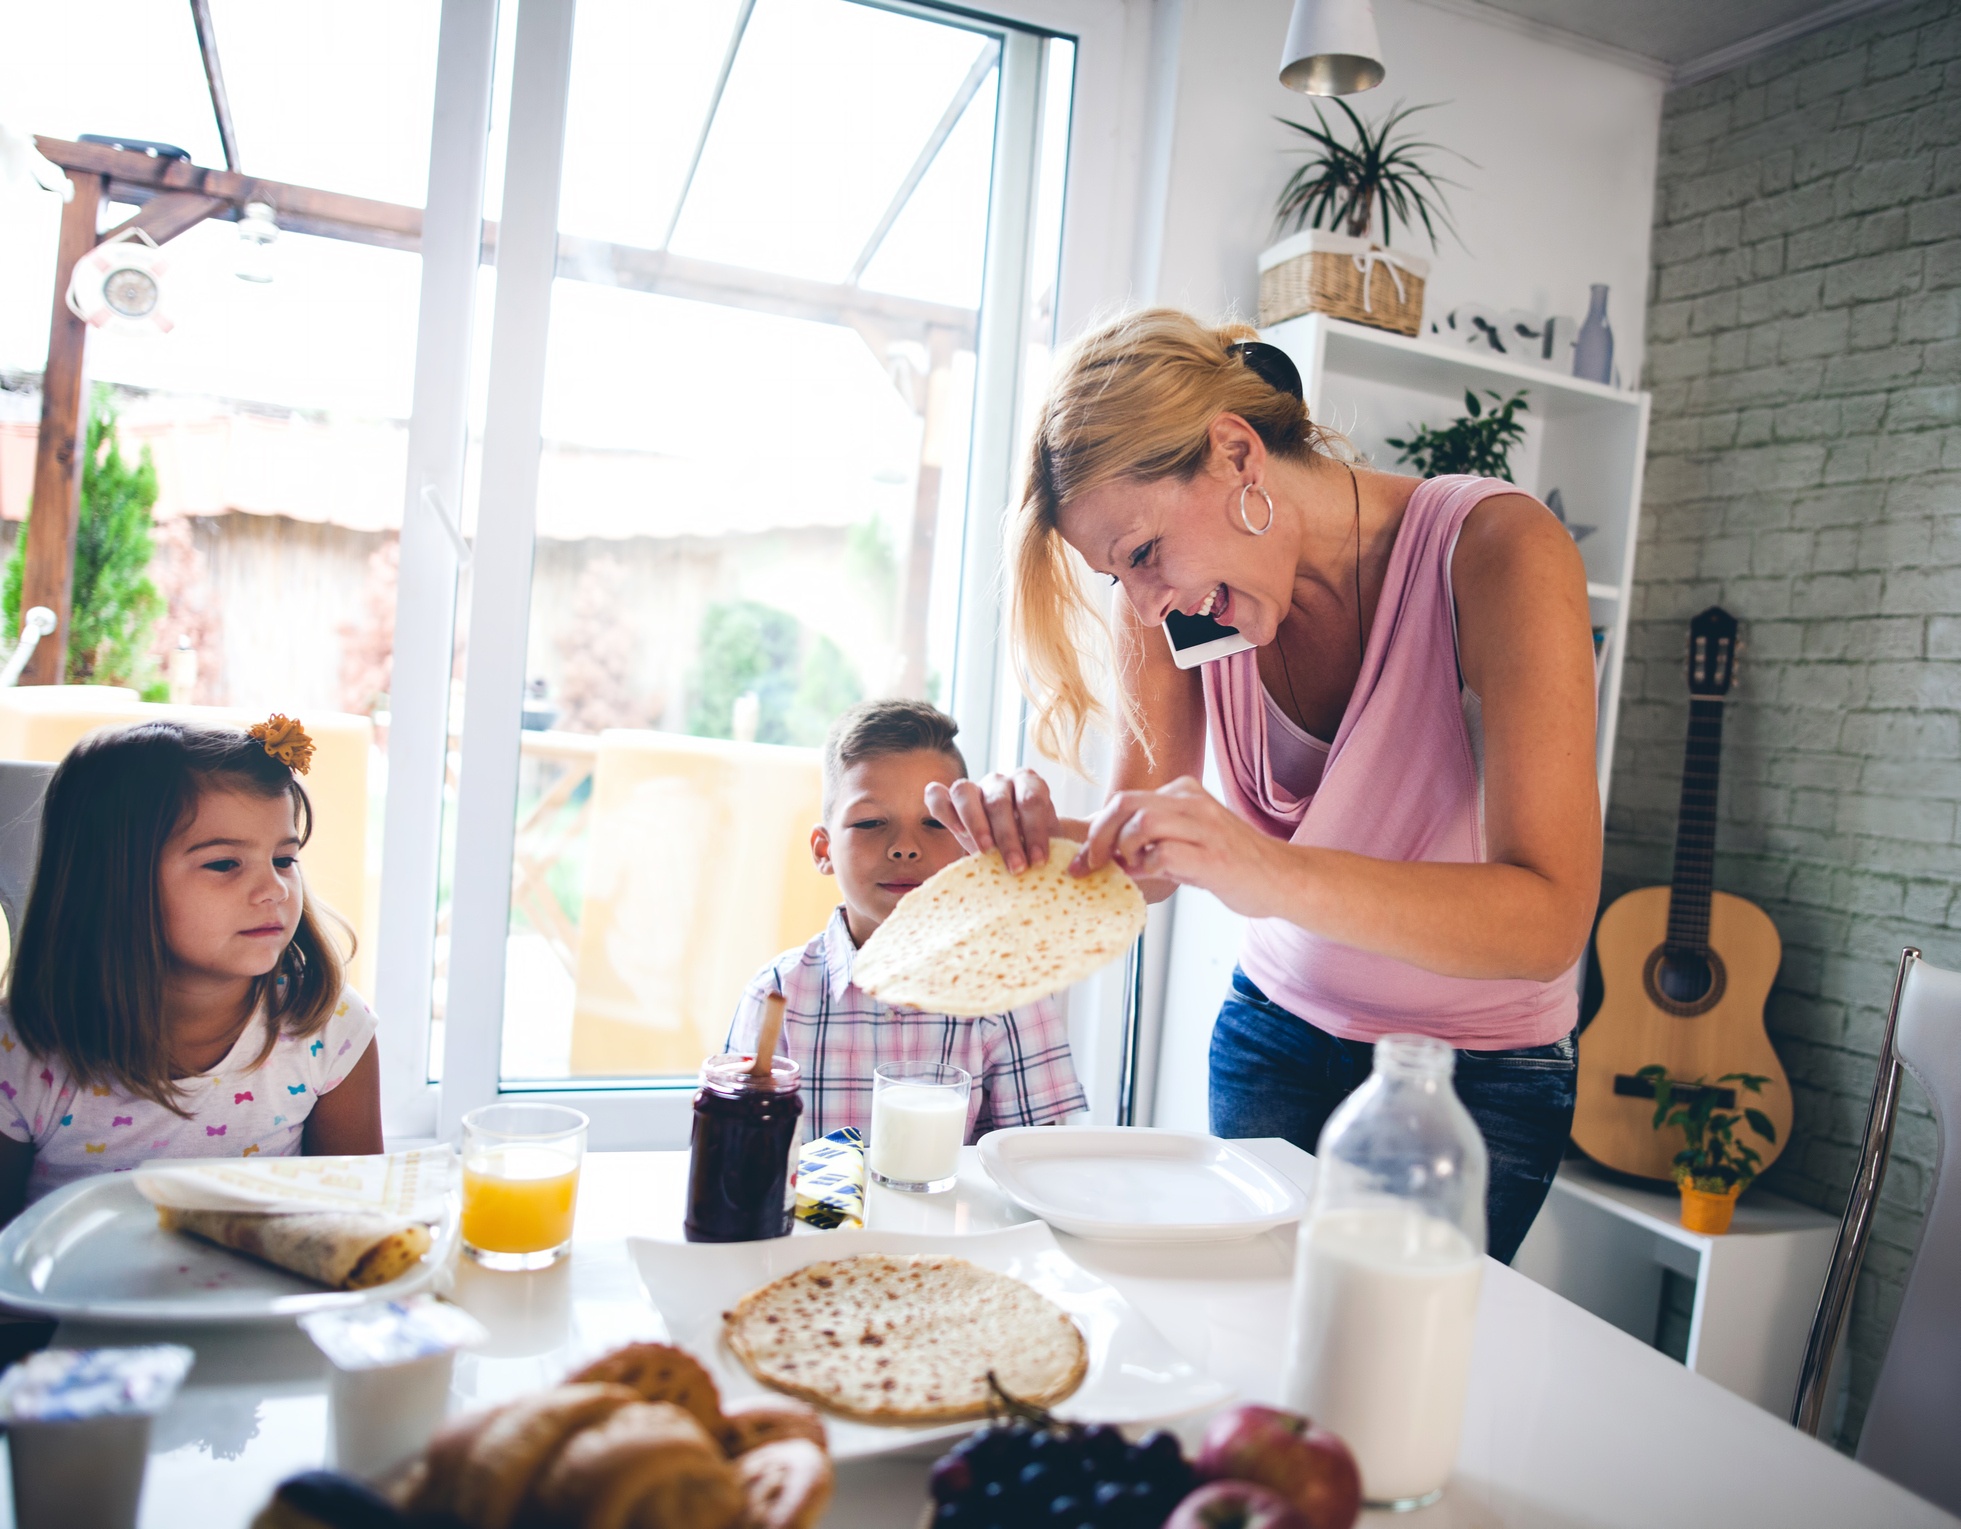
(686,421)
(802,248)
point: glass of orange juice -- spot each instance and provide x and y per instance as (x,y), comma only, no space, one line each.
(520,1182)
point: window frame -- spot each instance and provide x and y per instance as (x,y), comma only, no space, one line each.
(1106,97)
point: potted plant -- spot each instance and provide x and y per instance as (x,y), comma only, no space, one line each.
(1479,442)
(1713,1167)
(1345,202)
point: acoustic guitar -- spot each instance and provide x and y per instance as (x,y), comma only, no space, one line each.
(1684,969)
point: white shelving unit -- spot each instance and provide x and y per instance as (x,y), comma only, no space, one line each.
(1584,439)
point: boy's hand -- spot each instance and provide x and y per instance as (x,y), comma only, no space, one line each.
(1011,813)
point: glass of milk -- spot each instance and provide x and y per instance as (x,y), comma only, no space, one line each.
(1386,1278)
(919,1123)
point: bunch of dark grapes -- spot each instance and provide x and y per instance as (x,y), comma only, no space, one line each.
(1019,1473)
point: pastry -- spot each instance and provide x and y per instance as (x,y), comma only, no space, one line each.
(785,1485)
(661,1373)
(513,1450)
(649,1465)
(765,1419)
(429,1488)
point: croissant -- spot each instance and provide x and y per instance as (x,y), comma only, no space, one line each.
(518,1445)
(648,1466)
(785,1485)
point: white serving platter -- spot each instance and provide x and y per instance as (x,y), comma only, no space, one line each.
(1134,1376)
(1137,1184)
(93,1251)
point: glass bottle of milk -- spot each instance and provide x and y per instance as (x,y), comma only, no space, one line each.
(1386,1277)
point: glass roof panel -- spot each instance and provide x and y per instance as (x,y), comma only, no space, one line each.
(125,67)
(935,249)
(642,80)
(336,96)
(826,109)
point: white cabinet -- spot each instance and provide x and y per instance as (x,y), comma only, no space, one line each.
(1586,440)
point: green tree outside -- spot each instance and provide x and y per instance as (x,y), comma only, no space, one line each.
(801,680)
(114,604)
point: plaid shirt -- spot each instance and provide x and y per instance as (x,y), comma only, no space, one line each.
(837,1034)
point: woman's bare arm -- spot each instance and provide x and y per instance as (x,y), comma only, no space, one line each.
(1527,651)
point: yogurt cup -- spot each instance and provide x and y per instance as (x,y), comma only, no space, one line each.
(78,1426)
(392,1363)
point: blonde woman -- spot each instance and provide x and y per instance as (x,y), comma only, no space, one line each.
(1410,818)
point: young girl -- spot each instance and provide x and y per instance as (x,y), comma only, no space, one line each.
(173,991)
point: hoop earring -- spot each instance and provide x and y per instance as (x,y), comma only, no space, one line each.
(1247,523)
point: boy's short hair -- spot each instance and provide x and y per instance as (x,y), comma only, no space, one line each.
(894,726)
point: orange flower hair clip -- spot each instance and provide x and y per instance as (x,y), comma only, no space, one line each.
(283,738)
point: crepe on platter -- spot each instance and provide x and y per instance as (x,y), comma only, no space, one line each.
(343,1250)
(975,939)
(891,1338)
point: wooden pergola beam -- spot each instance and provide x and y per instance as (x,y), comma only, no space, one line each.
(139,178)
(48,572)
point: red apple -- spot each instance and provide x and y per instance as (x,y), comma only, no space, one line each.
(1235,1505)
(1284,1452)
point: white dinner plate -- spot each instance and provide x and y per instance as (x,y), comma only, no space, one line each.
(1136,1184)
(93,1250)
(1134,1376)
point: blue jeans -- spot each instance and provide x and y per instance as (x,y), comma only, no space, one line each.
(1274,1074)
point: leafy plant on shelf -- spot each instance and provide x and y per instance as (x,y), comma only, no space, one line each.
(1711,1159)
(1371,184)
(1479,441)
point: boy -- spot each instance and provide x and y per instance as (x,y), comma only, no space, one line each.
(879,841)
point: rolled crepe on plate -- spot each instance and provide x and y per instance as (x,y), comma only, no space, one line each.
(342,1250)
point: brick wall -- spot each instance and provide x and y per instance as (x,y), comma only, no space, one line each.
(1805,471)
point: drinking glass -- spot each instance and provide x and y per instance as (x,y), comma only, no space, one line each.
(919,1123)
(520,1183)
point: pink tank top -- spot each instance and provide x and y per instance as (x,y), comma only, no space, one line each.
(1400,783)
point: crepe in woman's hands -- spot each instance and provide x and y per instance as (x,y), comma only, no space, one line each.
(342,1250)
(977,940)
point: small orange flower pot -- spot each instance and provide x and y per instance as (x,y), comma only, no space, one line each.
(1705,1212)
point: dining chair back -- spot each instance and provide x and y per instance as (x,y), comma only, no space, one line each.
(23,784)
(1915,1412)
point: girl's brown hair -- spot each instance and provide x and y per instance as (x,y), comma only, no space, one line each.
(1132,400)
(87,980)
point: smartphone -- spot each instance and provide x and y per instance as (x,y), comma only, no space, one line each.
(1199,640)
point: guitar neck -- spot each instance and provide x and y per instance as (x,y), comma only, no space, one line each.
(1695,829)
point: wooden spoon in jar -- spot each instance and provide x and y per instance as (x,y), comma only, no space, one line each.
(766,1037)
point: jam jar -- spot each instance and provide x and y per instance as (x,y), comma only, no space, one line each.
(742,1157)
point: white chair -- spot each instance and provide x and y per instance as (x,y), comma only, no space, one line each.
(23,783)
(1914,1419)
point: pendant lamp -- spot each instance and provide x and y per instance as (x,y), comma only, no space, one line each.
(1332,49)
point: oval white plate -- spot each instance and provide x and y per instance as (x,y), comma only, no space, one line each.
(93,1250)
(1136,1184)
(1134,1377)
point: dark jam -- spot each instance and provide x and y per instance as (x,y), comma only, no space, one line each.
(742,1156)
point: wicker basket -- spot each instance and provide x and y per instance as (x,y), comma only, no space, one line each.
(1345,278)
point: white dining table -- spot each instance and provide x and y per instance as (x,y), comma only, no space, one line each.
(1569,1422)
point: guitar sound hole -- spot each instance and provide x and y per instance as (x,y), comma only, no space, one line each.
(1684,982)
(1684,977)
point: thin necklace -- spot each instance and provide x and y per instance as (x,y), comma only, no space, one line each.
(1361,638)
